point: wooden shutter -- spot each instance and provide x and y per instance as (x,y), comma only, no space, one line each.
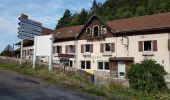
(140,44)
(91,48)
(60,49)
(53,49)
(113,47)
(154,42)
(74,47)
(66,48)
(101,47)
(82,48)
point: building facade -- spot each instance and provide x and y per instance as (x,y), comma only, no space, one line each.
(112,46)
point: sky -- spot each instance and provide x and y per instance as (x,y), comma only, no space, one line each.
(48,12)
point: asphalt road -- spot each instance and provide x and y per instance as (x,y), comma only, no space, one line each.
(19,87)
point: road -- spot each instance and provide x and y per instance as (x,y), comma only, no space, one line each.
(19,87)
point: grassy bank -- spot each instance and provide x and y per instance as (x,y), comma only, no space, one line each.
(112,91)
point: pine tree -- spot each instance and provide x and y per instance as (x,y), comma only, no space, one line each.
(65,20)
(94,6)
(83,17)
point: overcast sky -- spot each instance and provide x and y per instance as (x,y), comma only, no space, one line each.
(46,11)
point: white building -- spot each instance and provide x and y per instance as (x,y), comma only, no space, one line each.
(112,46)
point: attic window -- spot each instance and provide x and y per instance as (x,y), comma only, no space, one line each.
(103,30)
(88,31)
(96,31)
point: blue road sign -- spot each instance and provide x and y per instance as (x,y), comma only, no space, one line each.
(25,37)
(29,28)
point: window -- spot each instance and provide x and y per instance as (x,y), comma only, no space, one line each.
(69,63)
(58,49)
(103,30)
(88,31)
(85,65)
(96,31)
(87,48)
(107,47)
(147,45)
(71,49)
(103,65)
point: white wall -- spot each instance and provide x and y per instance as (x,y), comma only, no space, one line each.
(162,56)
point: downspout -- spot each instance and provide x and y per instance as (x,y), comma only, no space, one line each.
(76,52)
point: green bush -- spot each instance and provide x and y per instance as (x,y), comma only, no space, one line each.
(147,76)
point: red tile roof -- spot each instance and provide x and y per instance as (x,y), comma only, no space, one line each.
(67,32)
(156,21)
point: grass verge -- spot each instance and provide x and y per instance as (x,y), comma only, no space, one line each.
(112,92)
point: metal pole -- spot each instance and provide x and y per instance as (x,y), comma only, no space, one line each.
(21,47)
(51,54)
(35,47)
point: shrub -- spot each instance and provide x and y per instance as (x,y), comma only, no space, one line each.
(147,76)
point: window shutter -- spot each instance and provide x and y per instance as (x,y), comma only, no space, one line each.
(91,48)
(66,48)
(155,48)
(82,48)
(101,47)
(60,49)
(140,44)
(53,49)
(113,47)
(74,48)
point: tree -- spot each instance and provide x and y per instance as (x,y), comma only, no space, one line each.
(147,76)
(83,17)
(140,11)
(65,20)
(94,6)
(8,51)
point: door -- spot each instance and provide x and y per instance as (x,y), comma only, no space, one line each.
(121,69)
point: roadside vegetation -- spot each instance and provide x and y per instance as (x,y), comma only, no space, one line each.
(113,91)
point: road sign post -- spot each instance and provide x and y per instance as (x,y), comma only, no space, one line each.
(21,52)
(27,30)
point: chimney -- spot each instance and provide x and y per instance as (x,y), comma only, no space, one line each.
(24,16)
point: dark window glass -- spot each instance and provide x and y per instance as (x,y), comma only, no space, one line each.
(71,63)
(107,47)
(88,65)
(87,48)
(58,49)
(106,65)
(147,45)
(121,73)
(100,65)
(96,31)
(71,48)
(82,64)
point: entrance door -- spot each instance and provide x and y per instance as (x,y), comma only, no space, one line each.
(121,69)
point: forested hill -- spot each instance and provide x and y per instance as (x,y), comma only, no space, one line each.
(115,9)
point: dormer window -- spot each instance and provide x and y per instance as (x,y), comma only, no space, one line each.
(103,30)
(96,31)
(88,31)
